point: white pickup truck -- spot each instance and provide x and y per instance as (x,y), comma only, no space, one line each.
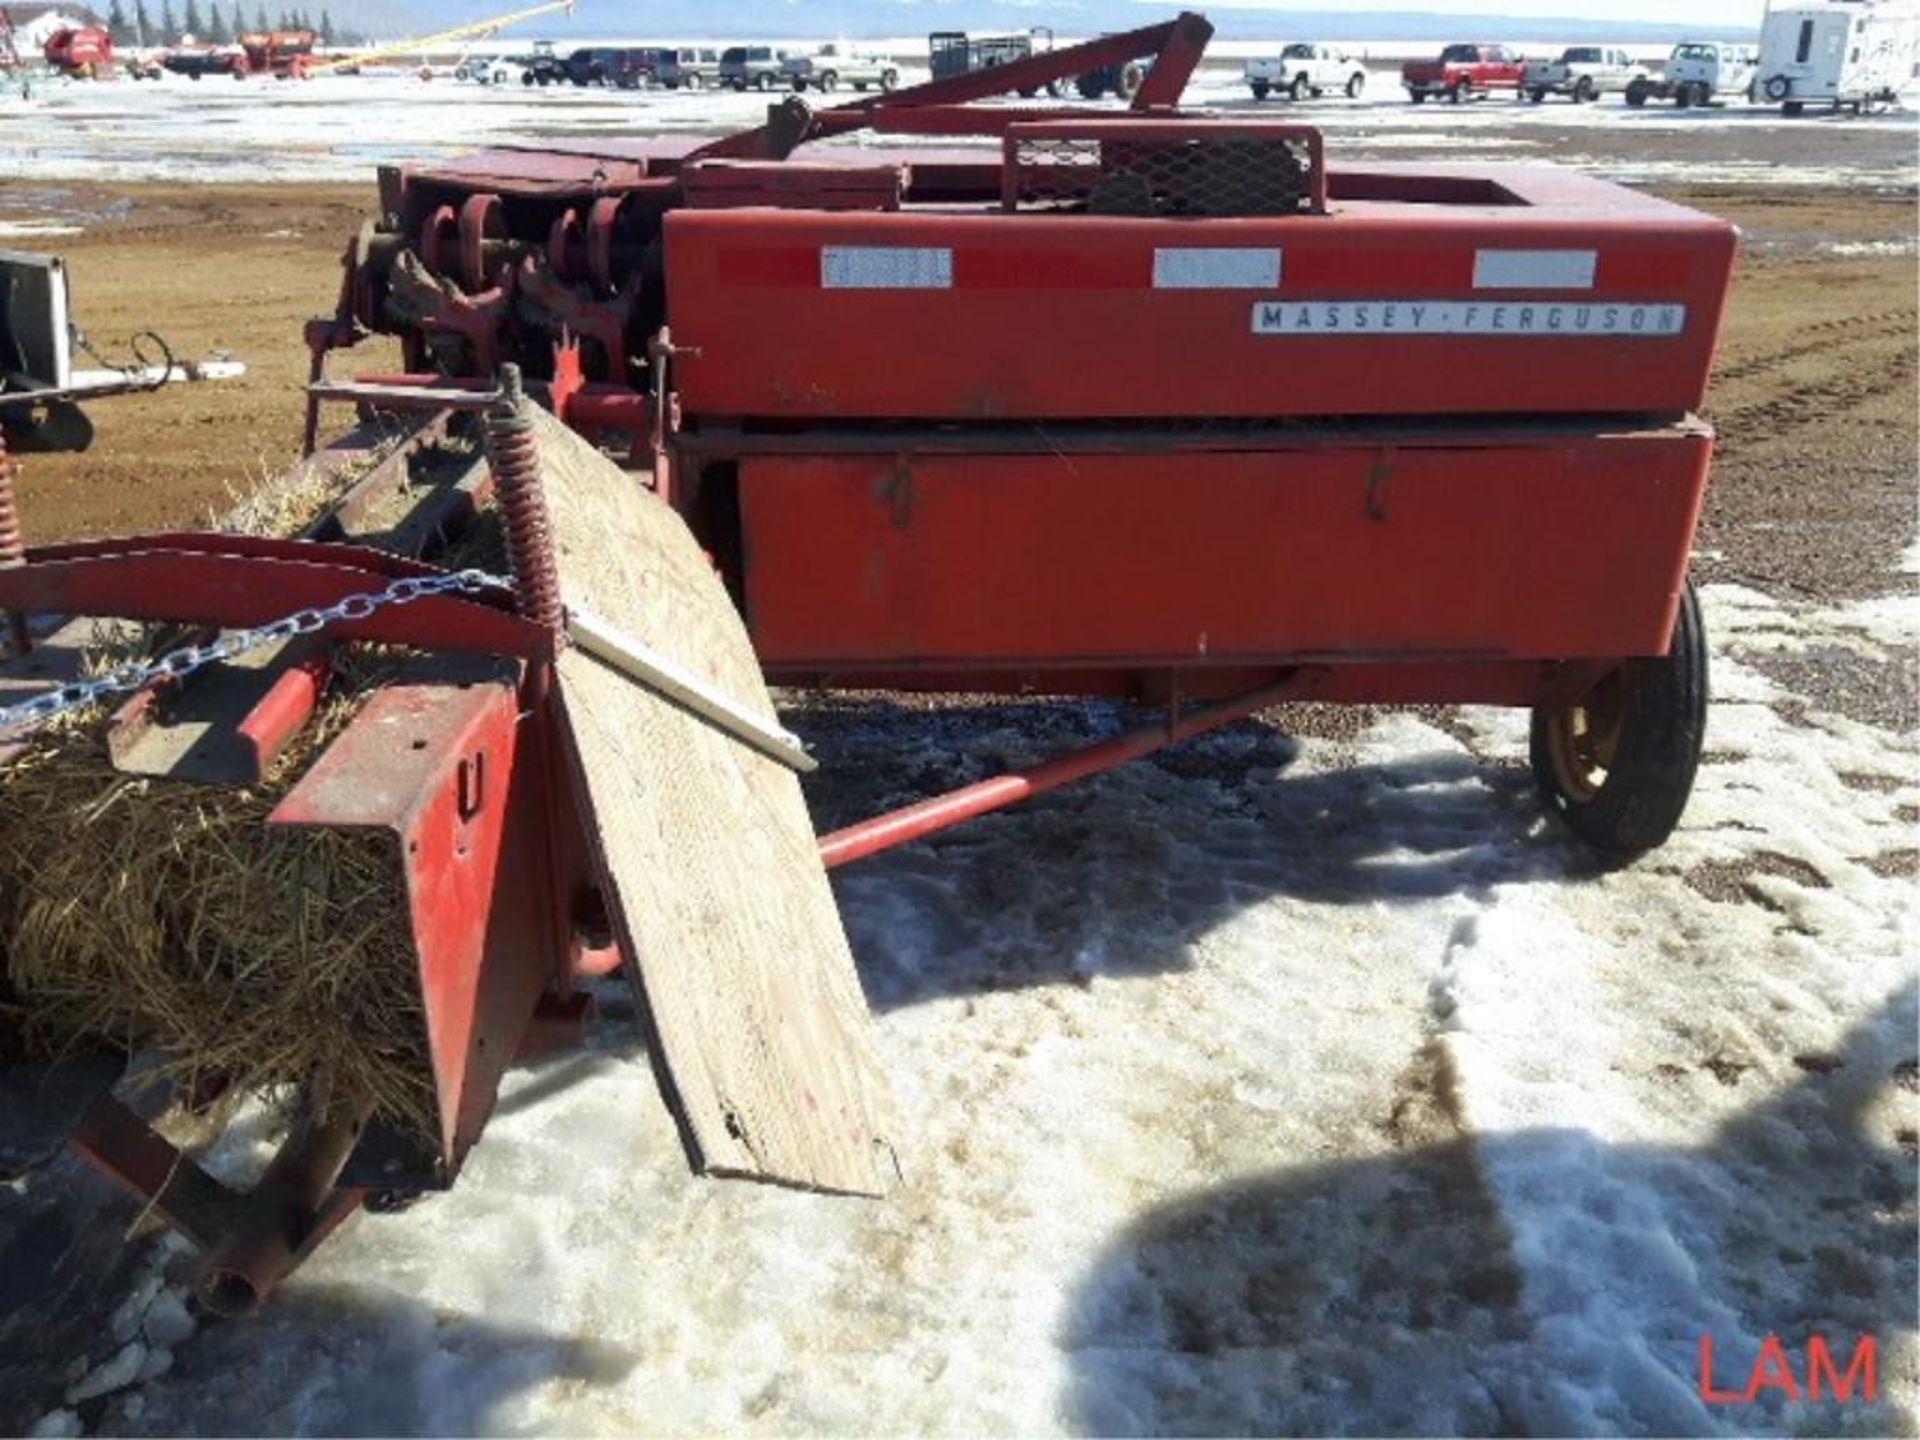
(1582,73)
(1701,72)
(834,65)
(1303,70)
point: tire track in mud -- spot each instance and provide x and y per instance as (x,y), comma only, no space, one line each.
(1815,404)
(1887,325)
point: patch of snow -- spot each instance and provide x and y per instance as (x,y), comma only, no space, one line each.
(125,1367)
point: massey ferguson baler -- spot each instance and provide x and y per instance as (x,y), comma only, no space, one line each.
(1137,403)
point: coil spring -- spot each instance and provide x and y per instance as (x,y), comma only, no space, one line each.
(513,454)
(13,545)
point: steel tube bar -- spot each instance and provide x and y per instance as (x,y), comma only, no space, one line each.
(124,1148)
(942,812)
(664,677)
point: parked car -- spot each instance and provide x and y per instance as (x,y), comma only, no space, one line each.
(1303,69)
(198,63)
(1583,73)
(1698,73)
(756,67)
(1857,54)
(489,70)
(688,68)
(1463,71)
(621,66)
(836,64)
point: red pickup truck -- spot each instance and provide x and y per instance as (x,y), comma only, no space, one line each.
(1462,71)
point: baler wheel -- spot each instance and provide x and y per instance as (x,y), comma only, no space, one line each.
(1618,765)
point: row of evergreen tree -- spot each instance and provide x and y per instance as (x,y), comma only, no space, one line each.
(213,26)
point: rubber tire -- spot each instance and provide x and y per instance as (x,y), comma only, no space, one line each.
(763,81)
(829,82)
(1777,88)
(1537,96)
(1356,86)
(1261,90)
(1132,76)
(1683,97)
(1663,729)
(1583,91)
(1419,97)
(889,79)
(693,82)
(1636,94)
(1297,91)
(1459,94)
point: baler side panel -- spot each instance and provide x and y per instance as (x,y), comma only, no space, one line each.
(985,316)
(1563,549)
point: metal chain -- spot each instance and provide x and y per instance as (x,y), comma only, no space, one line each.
(178,664)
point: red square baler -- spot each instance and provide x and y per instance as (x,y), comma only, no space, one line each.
(1137,402)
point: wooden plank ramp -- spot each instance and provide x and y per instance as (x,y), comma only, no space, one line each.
(761,1038)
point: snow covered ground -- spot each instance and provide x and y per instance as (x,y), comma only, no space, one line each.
(1279,1085)
(338,128)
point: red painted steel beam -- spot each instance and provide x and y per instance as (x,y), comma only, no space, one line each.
(942,812)
(124,1148)
(231,591)
(1178,58)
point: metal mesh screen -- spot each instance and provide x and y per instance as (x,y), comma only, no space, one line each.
(1212,175)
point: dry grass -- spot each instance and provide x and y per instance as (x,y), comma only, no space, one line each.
(154,914)
(159,915)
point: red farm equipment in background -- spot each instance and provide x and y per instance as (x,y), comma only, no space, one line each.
(83,52)
(283,54)
(1135,403)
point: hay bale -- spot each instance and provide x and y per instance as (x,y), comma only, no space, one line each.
(152,913)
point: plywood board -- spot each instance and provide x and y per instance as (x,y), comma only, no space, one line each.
(761,1037)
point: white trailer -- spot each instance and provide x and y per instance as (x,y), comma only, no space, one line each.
(1855,53)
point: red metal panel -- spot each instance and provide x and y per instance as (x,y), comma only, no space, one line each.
(450,771)
(1039,315)
(1566,548)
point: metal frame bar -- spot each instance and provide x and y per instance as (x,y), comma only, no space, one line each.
(943,812)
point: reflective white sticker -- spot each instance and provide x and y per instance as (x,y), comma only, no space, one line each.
(1549,319)
(1215,267)
(1534,269)
(886,267)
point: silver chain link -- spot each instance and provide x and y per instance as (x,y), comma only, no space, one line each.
(178,664)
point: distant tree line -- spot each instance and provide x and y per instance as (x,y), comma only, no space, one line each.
(215,25)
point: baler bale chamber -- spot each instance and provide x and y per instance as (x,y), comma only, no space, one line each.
(1136,403)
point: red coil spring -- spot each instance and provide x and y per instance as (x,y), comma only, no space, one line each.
(513,453)
(13,545)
